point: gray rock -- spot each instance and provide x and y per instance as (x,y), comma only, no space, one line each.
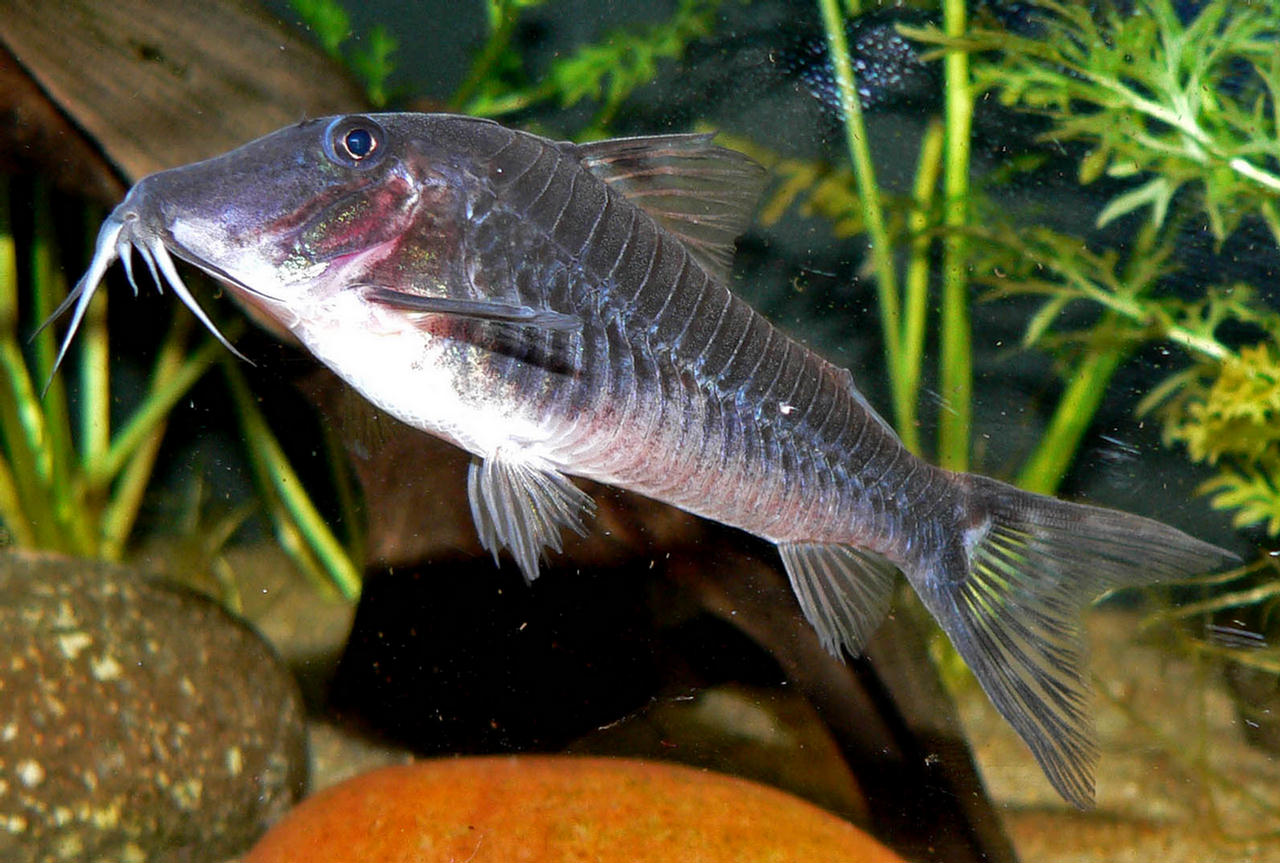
(138,722)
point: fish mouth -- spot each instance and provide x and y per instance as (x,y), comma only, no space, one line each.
(118,239)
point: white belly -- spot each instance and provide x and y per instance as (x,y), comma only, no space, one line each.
(415,376)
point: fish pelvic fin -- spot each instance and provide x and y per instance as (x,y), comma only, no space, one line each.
(844,591)
(1009,590)
(522,507)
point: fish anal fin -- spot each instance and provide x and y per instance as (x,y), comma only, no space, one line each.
(522,507)
(702,193)
(844,591)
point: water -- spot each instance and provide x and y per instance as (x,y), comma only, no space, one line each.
(741,81)
(663,637)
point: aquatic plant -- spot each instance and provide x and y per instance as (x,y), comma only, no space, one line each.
(1179,113)
(944,151)
(299,527)
(1173,104)
(606,71)
(370,61)
(68,482)
(1226,412)
(77,460)
(1185,112)
(1184,109)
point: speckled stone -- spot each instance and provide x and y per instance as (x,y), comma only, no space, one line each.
(138,722)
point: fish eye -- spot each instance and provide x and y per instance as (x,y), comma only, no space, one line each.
(354,142)
(359,143)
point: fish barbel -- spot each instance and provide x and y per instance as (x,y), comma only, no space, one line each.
(562,310)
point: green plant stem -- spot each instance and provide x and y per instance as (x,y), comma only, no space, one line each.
(869,195)
(281,484)
(126,499)
(1234,599)
(11,515)
(29,456)
(14,515)
(916,286)
(501,25)
(1086,387)
(121,512)
(956,354)
(21,422)
(95,372)
(150,415)
(48,287)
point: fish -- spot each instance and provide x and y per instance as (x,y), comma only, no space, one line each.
(563,310)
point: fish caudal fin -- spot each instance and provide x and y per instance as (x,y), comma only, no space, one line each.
(1009,592)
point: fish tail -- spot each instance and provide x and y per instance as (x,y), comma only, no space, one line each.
(1009,589)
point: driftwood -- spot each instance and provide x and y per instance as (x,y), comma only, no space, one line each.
(151,86)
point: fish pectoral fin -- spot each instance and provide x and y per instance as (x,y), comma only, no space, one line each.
(522,507)
(702,193)
(482,310)
(844,591)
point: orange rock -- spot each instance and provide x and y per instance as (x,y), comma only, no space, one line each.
(538,809)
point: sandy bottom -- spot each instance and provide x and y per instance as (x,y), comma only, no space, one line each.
(1177,780)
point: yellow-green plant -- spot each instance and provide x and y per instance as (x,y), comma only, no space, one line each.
(371,62)
(69,481)
(606,72)
(73,471)
(1226,412)
(1185,111)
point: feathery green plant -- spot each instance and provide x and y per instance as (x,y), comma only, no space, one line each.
(606,72)
(1187,112)
(370,62)
(1174,105)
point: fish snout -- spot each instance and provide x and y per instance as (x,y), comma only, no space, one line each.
(141,214)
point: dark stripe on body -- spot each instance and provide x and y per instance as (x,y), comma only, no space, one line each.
(684,392)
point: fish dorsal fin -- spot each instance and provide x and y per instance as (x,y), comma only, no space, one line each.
(844,591)
(702,193)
